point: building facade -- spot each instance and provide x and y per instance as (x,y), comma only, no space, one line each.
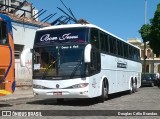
(152,62)
(24,26)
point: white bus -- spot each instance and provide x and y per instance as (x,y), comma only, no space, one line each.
(82,61)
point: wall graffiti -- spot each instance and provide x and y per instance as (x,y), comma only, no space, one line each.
(23,72)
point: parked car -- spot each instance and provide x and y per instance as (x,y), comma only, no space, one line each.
(148,79)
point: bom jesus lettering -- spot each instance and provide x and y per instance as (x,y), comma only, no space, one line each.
(48,37)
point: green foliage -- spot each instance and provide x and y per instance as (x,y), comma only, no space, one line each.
(145,32)
(151,32)
(155,32)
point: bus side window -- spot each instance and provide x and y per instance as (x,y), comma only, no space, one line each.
(112,42)
(125,50)
(120,48)
(138,53)
(94,38)
(102,39)
(95,64)
(130,53)
(107,43)
(3,33)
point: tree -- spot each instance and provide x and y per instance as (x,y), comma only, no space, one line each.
(145,32)
(155,32)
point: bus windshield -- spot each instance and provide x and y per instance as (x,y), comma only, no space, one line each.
(66,35)
(56,62)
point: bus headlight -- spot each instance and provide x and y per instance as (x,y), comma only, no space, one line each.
(81,85)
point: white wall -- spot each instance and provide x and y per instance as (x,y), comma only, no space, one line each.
(24,34)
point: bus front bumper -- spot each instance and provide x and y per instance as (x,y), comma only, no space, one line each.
(61,93)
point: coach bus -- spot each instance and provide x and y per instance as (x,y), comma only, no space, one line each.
(7,76)
(82,61)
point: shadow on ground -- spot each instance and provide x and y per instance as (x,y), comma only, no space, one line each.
(5,105)
(75,102)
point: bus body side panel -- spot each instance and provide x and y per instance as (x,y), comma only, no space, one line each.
(10,86)
(95,85)
(119,77)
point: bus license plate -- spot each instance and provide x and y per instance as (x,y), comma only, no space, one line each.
(57,93)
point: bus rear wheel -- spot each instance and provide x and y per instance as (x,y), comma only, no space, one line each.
(131,88)
(135,86)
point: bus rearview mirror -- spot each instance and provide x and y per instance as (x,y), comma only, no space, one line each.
(87,53)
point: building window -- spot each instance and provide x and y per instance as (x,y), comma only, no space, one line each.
(158,70)
(147,68)
(18,49)
(142,54)
(149,55)
(13,1)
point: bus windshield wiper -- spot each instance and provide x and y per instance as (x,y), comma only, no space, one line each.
(75,69)
(47,69)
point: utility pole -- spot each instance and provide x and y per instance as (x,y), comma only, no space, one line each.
(145,22)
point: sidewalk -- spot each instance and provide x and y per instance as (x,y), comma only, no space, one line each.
(19,93)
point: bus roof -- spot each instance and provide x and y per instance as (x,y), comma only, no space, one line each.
(83,26)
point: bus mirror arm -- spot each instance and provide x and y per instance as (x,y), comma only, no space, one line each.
(87,53)
(23,56)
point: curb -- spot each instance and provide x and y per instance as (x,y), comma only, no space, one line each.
(19,93)
(15,98)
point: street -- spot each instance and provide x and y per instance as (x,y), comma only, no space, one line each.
(147,98)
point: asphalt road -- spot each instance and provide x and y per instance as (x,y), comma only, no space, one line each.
(143,104)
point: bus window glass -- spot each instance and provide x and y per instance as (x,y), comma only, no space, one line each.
(125,50)
(3,33)
(58,61)
(135,54)
(130,52)
(95,64)
(106,43)
(119,48)
(94,38)
(138,54)
(102,40)
(112,42)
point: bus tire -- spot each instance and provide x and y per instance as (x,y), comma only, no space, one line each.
(152,84)
(104,94)
(131,87)
(135,88)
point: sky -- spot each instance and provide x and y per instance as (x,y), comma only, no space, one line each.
(122,18)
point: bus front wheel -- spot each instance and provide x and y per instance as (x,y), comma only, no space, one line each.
(104,94)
